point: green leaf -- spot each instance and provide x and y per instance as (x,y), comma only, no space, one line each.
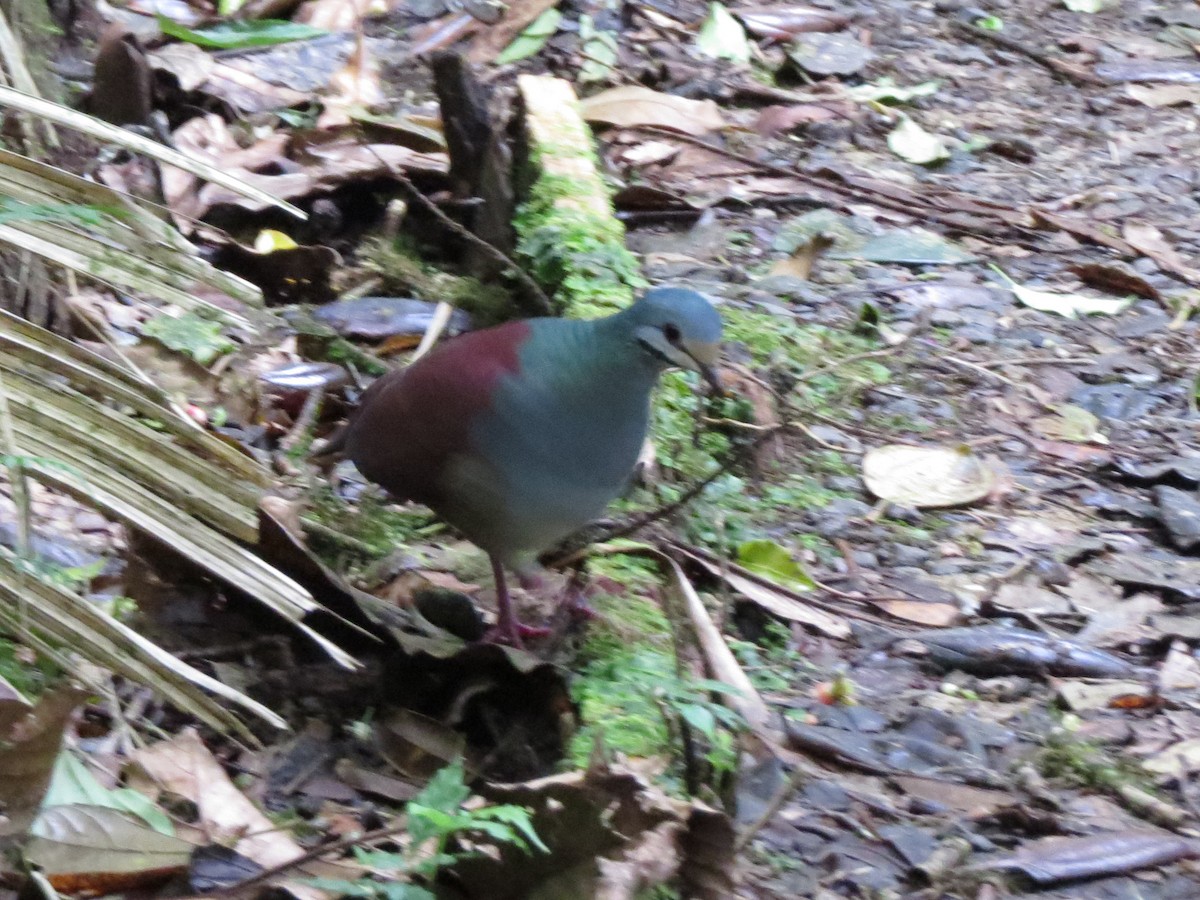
(425,823)
(519,818)
(394,890)
(774,562)
(599,51)
(73,784)
(990,23)
(533,38)
(199,338)
(446,790)
(722,36)
(699,717)
(238,35)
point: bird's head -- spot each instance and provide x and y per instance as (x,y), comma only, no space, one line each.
(679,327)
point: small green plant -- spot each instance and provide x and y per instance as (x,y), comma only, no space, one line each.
(632,694)
(436,817)
(1088,764)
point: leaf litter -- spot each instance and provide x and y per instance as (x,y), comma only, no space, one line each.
(862,639)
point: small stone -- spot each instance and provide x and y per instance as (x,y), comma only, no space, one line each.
(908,555)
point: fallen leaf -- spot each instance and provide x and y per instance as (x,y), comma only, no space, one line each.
(532,39)
(75,844)
(1055,859)
(773,561)
(1151,242)
(773,120)
(1068,305)
(830,54)
(912,143)
(722,36)
(631,105)
(885,90)
(1164,94)
(774,599)
(927,477)
(783,22)
(185,767)
(935,615)
(1114,280)
(1073,424)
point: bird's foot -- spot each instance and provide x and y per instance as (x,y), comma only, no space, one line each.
(574,604)
(514,634)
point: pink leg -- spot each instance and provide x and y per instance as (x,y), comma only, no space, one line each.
(509,630)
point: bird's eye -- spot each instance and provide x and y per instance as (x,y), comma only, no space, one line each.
(671,333)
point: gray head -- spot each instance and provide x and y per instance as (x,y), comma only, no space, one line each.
(678,327)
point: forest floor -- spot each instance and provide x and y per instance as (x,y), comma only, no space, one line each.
(973,232)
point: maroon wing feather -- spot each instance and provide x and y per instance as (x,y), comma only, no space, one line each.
(413,421)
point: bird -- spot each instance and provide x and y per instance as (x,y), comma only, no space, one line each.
(520,434)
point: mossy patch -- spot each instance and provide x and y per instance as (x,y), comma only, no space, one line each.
(401,272)
(573,250)
(1087,764)
(374,528)
(627,648)
(30,678)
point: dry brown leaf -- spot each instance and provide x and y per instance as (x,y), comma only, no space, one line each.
(935,615)
(631,104)
(184,766)
(1151,242)
(1156,95)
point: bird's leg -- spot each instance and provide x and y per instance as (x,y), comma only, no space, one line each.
(509,629)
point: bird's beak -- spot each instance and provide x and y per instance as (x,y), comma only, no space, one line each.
(704,358)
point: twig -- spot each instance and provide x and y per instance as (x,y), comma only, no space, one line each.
(535,290)
(847,360)
(779,798)
(302,427)
(1075,74)
(976,367)
(1039,361)
(308,856)
(842,189)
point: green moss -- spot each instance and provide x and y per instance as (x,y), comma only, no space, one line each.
(402,272)
(572,250)
(628,648)
(1088,764)
(30,678)
(373,528)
